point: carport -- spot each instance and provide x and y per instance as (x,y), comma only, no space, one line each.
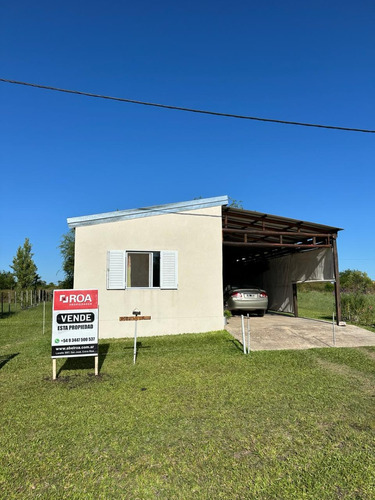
(276,253)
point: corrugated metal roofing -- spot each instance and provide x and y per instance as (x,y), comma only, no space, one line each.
(265,235)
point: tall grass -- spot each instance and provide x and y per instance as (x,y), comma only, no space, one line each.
(316,304)
(358,309)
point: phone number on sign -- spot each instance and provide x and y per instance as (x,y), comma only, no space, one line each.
(78,339)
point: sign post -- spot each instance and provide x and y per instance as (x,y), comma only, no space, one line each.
(135,318)
(74,325)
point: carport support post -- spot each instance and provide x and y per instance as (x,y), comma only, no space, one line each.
(337,279)
(295,300)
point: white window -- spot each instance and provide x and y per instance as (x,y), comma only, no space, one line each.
(138,269)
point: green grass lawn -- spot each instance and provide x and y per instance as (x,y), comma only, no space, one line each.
(316,304)
(194,418)
(321,304)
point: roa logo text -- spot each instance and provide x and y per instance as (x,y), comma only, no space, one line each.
(75,299)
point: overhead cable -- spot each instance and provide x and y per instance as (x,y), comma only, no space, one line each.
(190,110)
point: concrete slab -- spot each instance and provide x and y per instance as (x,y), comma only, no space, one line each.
(277,332)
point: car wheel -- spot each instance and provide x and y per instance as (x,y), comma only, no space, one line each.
(261,313)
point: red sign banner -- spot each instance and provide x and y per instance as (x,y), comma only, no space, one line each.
(64,300)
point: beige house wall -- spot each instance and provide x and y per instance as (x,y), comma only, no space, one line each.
(197,304)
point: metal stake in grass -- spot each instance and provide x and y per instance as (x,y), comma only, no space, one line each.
(243,334)
(248,333)
(136,313)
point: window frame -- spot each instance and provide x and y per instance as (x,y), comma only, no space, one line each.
(150,268)
(117,269)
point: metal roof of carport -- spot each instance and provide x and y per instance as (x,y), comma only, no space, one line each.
(273,235)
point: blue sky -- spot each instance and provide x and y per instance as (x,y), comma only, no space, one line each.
(66,155)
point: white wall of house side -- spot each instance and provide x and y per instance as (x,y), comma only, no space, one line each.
(197,304)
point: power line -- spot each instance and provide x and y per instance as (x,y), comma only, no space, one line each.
(190,110)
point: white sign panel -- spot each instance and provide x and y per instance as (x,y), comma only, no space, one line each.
(75,323)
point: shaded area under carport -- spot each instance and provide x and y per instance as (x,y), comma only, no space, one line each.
(277,332)
(275,253)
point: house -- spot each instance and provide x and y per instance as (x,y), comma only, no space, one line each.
(172,262)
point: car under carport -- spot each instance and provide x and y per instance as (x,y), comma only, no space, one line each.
(276,253)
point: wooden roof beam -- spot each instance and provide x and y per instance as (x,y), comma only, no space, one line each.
(279,245)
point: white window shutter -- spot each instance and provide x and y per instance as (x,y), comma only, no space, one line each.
(115,270)
(169,270)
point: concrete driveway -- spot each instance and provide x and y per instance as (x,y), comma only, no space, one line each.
(276,332)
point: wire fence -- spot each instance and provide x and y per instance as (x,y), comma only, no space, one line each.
(12,301)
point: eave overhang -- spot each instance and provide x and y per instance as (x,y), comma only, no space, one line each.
(136,213)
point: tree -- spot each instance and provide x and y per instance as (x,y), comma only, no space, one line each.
(235,203)
(232,202)
(25,270)
(355,281)
(67,251)
(7,281)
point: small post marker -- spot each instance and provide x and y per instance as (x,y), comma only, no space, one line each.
(243,334)
(136,313)
(136,317)
(248,333)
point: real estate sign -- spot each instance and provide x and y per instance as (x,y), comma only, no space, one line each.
(75,323)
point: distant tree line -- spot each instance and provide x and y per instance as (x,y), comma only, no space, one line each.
(25,272)
(354,281)
(351,281)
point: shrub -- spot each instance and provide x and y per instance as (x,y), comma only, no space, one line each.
(358,308)
(353,281)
